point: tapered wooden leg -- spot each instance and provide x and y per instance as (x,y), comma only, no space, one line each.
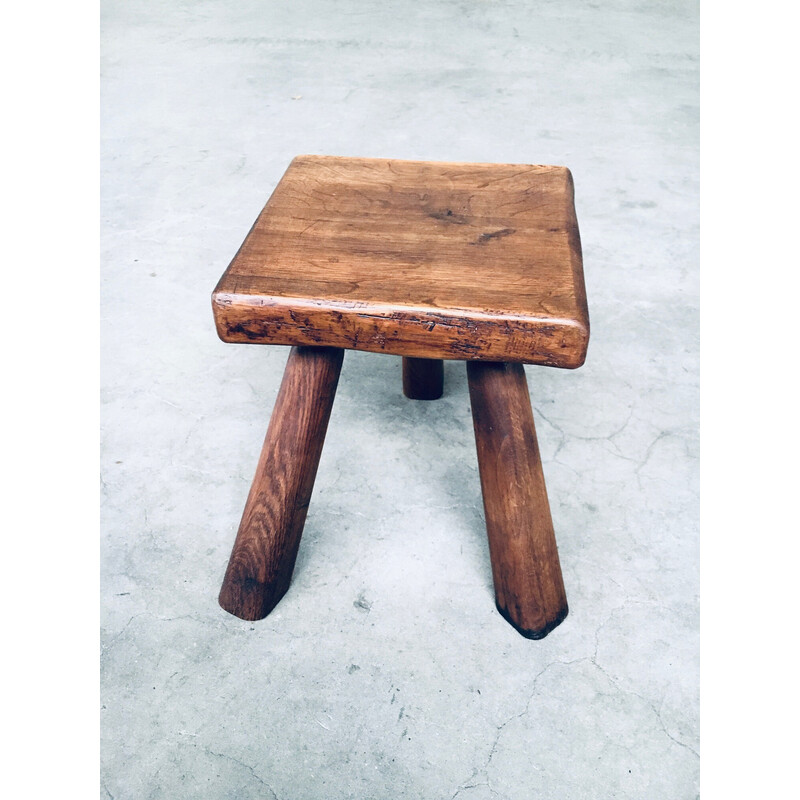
(527,574)
(423,378)
(262,561)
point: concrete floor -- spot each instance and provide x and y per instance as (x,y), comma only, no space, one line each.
(386,671)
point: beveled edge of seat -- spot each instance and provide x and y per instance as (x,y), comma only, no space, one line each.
(450,334)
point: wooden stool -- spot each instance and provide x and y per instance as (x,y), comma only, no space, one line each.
(429,261)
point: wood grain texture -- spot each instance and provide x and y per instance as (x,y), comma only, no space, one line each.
(413,258)
(527,574)
(423,378)
(265,550)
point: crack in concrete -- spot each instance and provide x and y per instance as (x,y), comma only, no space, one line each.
(615,682)
(195,617)
(244,765)
(500,728)
(564,437)
(649,704)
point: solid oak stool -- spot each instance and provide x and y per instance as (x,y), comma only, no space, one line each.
(429,261)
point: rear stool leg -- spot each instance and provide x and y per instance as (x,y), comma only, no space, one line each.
(527,575)
(265,550)
(423,378)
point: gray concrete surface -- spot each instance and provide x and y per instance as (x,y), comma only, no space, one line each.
(386,671)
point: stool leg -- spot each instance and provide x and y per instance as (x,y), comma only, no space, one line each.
(423,378)
(527,574)
(261,564)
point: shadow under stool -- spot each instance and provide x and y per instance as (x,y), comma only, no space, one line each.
(428,261)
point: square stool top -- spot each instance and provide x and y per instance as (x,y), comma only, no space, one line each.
(413,258)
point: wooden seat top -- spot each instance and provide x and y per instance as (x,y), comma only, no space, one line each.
(413,258)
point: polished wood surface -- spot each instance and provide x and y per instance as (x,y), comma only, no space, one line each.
(421,259)
(265,550)
(423,378)
(527,574)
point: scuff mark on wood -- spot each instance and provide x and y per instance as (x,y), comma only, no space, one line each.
(448,216)
(487,237)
